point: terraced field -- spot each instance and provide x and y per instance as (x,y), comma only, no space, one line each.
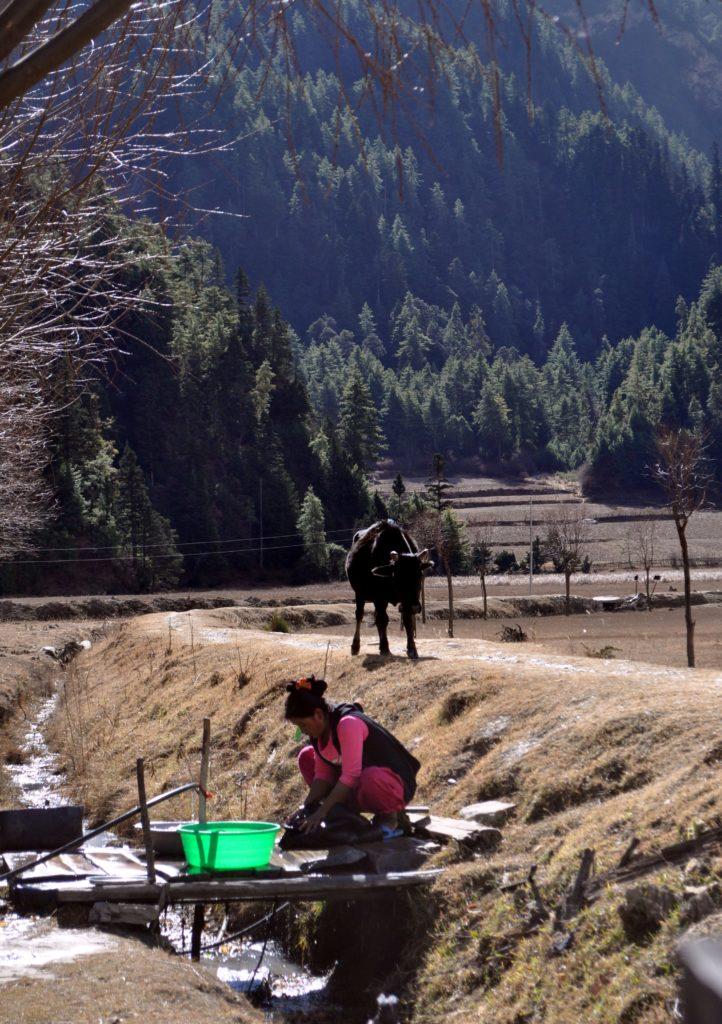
(610,527)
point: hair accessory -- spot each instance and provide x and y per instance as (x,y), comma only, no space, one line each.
(303,684)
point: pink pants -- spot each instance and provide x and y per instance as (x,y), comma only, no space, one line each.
(378,790)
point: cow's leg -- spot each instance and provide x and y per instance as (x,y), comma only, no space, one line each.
(356,642)
(382,623)
(407,617)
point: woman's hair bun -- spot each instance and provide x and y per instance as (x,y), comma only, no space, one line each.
(308,683)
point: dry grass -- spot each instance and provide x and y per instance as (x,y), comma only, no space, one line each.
(592,753)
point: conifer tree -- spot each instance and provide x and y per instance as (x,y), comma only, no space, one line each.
(150,557)
(359,431)
(311,525)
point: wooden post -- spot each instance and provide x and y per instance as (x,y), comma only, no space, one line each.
(423,599)
(142,801)
(199,913)
(205,760)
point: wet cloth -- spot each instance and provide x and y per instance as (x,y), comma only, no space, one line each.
(375,789)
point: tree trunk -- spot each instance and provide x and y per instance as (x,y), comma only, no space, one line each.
(483,590)
(649,595)
(567,599)
(423,599)
(450,585)
(689,621)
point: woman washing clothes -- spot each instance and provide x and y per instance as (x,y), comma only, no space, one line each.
(350,760)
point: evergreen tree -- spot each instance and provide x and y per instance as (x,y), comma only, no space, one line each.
(359,430)
(311,525)
(147,541)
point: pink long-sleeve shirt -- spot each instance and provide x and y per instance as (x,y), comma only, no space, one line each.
(352,733)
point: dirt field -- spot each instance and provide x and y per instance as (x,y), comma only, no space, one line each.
(657,637)
(507,503)
(592,753)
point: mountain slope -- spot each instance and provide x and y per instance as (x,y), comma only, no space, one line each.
(675,64)
(595,224)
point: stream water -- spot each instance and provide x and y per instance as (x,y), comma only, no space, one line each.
(289,991)
(39,778)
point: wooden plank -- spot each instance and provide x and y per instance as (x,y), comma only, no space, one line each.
(78,863)
(467,832)
(303,887)
(116,862)
(293,860)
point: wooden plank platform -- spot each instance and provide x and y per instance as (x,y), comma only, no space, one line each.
(300,888)
(109,876)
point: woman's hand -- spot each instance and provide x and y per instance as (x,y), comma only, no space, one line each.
(312,821)
(294,820)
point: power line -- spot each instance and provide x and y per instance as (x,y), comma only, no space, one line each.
(141,557)
(189,543)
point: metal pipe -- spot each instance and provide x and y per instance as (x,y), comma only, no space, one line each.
(74,843)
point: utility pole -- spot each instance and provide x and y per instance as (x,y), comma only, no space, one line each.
(260,522)
(531,549)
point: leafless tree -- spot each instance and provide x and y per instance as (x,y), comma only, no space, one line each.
(640,551)
(683,469)
(564,543)
(80,137)
(482,552)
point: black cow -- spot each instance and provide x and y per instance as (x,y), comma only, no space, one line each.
(386,567)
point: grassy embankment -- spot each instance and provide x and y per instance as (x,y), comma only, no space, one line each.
(592,753)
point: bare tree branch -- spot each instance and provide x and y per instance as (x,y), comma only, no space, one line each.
(684,471)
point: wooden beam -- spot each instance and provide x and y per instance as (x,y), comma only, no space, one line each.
(199,914)
(143,804)
(221,890)
(205,765)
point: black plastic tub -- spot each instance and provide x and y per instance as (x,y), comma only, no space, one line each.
(39,828)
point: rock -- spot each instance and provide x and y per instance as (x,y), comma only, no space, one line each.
(489,812)
(643,910)
(701,901)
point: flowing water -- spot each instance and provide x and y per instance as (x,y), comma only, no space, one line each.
(39,778)
(288,992)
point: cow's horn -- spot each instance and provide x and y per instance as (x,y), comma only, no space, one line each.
(394,557)
(424,555)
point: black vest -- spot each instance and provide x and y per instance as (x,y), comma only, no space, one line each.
(380,750)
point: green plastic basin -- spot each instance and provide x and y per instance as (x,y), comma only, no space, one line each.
(228,845)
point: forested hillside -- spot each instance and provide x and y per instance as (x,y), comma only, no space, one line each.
(675,64)
(393,290)
(597,224)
